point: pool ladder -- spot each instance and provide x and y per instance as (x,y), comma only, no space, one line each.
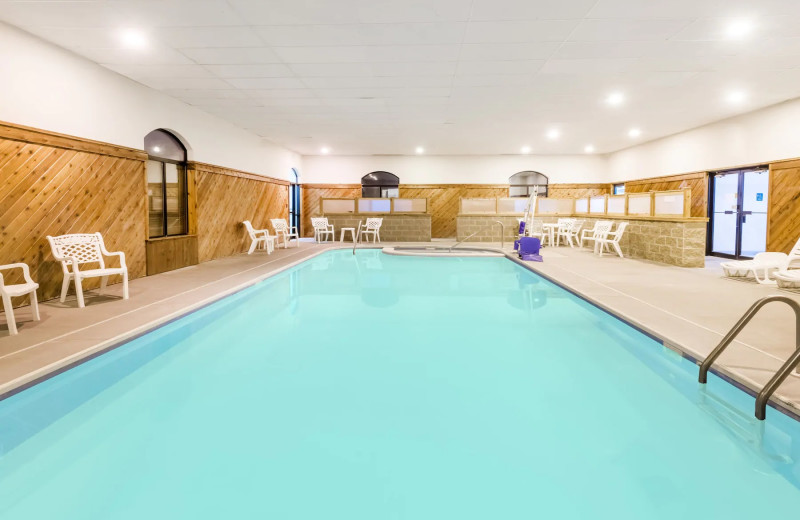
(502,235)
(783,372)
(358,235)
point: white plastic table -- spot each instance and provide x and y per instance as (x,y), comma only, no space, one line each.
(550,228)
(352,233)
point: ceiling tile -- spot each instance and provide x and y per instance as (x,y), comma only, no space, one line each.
(232,56)
(181,37)
(508,51)
(530,9)
(265,70)
(519,31)
(627,30)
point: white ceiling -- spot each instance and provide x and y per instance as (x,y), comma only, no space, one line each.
(454,76)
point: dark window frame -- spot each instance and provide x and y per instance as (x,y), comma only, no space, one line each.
(527,188)
(183,179)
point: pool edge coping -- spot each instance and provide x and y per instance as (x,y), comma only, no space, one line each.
(782,405)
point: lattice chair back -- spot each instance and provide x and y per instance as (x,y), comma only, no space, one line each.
(280,225)
(601,229)
(374,223)
(85,248)
(620,230)
(537,227)
(320,223)
(250,229)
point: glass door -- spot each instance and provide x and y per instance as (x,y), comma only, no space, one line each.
(739,213)
(294,200)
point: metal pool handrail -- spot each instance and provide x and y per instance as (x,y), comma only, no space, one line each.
(783,372)
(358,235)
(502,235)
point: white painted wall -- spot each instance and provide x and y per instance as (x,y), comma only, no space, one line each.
(763,136)
(451,169)
(47,87)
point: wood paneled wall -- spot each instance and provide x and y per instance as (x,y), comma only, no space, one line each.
(311,201)
(566,191)
(698,182)
(52,184)
(783,223)
(443,199)
(225,198)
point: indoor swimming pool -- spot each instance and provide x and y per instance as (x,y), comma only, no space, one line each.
(372,386)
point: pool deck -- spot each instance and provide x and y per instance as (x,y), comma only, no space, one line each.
(690,309)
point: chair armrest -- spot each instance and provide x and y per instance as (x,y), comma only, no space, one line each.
(121,256)
(26,271)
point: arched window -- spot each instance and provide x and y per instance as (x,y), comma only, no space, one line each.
(166,184)
(522,184)
(380,184)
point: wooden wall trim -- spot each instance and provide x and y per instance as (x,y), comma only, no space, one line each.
(332,186)
(665,178)
(25,134)
(221,170)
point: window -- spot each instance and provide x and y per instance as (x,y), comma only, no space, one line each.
(294,199)
(523,183)
(619,189)
(378,185)
(166,184)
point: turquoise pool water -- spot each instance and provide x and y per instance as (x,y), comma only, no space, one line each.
(381,387)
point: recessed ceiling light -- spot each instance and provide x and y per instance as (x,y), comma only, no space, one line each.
(634,132)
(736,97)
(738,29)
(525,149)
(156,148)
(589,148)
(420,149)
(133,39)
(325,150)
(553,134)
(615,99)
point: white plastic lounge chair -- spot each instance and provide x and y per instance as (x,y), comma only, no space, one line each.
(79,249)
(259,237)
(611,238)
(21,289)
(322,228)
(769,268)
(587,235)
(284,232)
(372,227)
(761,267)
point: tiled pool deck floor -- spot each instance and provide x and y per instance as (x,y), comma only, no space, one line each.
(690,308)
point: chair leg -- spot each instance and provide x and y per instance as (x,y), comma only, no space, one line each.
(103,283)
(35,306)
(253,245)
(79,291)
(12,325)
(64,288)
(619,251)
(125,294)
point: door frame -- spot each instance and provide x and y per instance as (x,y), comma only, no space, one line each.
(739,205)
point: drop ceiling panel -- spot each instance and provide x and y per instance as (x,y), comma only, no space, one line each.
(459,76)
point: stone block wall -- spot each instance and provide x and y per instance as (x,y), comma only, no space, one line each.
(395,228)
(675,242)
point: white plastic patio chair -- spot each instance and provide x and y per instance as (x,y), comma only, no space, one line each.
(15,290)
(563,229)
(767,268)
(322,228)
(587,235)
(285,232)
(76,250)
(372,227)
(610,238)
(537,230)
(571,232)
(259,238)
